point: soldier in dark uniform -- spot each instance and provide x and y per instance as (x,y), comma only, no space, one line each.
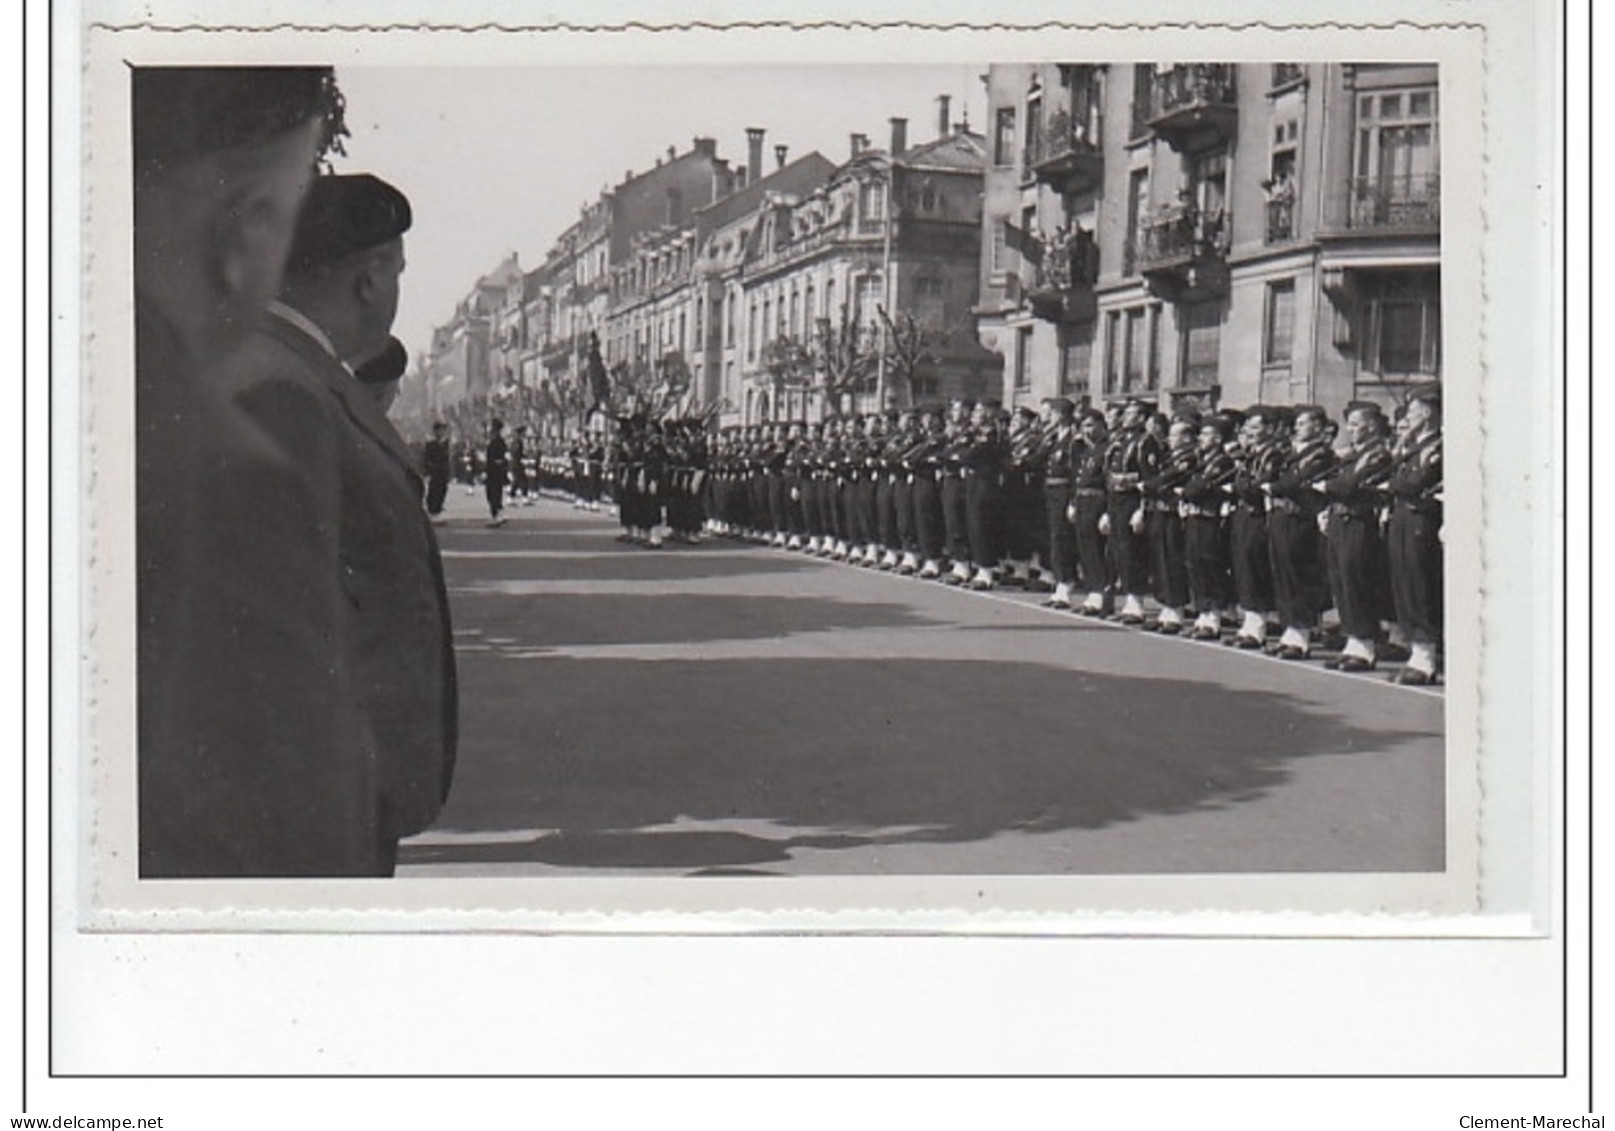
(1129,458)
(1165,526)
(1023,526)
(1295,498)
(518,466)
(1088,511)
(983,458)
(884,462)
(856,503)
(1205,538)
(1413,535)
(1059,438)
(1355,542)
(907,443)
(955,513)
(496,470)
(1258,458)
(928,459)
(791,475)
(435,467)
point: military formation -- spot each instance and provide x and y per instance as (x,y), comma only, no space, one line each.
(1247,528)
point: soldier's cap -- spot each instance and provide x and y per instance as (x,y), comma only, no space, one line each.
(1065,406)
(1027,411)
(1136,403)
(988,404)
(1283,414)
(182,112)
(963,402)
(1317,410)
(1091,414)
(1428,393)
(387,366)
(1372,407)
(1266,413)
(1188,414)
(439,426)
(344,215)
(893,414)
(1223,423)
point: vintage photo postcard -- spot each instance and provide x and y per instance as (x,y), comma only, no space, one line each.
(543,479)
(1036,539)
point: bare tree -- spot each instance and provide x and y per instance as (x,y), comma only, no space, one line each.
(789,364)
(912,349)
(846,356)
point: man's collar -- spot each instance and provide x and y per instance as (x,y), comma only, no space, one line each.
(303,322)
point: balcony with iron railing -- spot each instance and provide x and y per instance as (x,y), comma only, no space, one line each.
(1183,254)
(1408,204)
(1065,154)
(1280,221)
(1190,106)
(1063,279)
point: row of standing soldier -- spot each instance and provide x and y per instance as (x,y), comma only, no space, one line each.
(1239,526)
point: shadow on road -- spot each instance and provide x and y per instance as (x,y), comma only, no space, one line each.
(540,622)
(791,742)
(647,566)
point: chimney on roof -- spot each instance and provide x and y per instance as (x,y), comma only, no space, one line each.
(857,143)
(899,136)
(740,179)
(944,125)
(754,153)
(705,146)
(779,155)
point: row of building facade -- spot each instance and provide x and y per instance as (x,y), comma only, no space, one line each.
(1186,233)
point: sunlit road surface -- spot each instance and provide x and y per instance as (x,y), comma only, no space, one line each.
(730,709)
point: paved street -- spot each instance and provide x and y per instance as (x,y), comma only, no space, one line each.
(728,709)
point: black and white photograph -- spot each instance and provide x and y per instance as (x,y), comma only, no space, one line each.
(1003,469)
(546,488)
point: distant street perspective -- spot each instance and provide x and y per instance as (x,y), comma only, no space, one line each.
(726,708)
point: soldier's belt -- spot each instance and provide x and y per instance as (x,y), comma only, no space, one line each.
(1195,510)
(1057,483)
(1089,492)
(1287,506)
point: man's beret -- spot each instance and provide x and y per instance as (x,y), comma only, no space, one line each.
(344,215)
(180,112)
(386,366)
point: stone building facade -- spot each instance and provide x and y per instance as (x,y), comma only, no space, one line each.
(1212,233)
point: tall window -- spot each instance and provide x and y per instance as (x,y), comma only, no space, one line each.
(1398,161)
(871,205)
(1202,343)
(1023,358)
(729,320)
(868,299)
(1076,356)
(1138,209)
(1004,136)
(1279,323)
(808,313)
(1136,351)
(751,331)
(1034,128)
(1000,244)
(1403,326)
